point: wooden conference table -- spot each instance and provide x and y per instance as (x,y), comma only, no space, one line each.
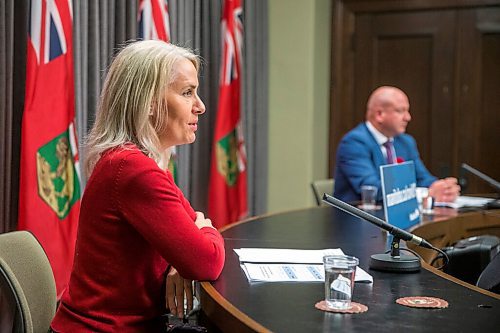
(235,305)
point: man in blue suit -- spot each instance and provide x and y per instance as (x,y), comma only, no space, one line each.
(382,140)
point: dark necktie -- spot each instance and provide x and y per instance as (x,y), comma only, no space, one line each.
(389,148)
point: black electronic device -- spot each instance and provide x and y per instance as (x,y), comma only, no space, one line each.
(470,256)
(393,261)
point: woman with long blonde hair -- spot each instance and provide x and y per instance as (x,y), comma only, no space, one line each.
(139,238)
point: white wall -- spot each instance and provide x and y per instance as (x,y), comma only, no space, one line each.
(299,83)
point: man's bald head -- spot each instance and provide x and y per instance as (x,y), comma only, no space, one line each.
(382,97)
(388,110)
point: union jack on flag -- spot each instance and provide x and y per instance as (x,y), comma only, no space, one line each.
(154,20)
(46,30)
(232,46)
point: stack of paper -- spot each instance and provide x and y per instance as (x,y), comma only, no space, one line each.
(281,265)
(465,201)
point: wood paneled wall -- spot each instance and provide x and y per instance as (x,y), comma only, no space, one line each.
(445,54)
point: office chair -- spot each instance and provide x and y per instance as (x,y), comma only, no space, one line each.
(490,277)
(320,187)
(25,269)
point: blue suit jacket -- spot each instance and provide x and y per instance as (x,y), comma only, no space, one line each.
(359,158)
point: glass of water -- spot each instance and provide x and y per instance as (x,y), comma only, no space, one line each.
(339,280)
(368,197)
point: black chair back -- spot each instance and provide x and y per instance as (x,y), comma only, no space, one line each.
(490,277)
(10,309)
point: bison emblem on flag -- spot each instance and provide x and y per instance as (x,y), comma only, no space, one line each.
(58,183)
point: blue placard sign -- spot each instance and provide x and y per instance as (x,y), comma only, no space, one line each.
(399,195)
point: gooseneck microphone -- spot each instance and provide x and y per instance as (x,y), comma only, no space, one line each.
(495,204)
(479,174)
(393,262)
(395,231)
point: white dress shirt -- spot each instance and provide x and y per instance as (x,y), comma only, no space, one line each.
(381,139)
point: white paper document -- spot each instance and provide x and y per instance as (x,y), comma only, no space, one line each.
(289,265)
(262,255)
(465,201)
(293,272)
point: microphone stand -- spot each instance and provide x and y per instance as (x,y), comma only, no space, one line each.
(388,262)
(394,261)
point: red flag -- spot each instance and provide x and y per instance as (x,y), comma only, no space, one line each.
(228,176)
(49,193)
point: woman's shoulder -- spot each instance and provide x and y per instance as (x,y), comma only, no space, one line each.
(128,156)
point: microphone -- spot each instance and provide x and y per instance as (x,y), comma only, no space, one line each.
(393,230)
(392,262)
(482,176)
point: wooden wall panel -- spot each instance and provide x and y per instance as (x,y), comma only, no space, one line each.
(478,96)
(411,50)
(407,63)
(444,55)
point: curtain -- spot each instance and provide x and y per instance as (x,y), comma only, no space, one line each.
(6,58)
(13,23)
(100,29)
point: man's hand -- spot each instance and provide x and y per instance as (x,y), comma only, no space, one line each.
(177,286)
(445,190)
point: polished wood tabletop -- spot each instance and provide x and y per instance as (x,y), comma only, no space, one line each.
(232,304)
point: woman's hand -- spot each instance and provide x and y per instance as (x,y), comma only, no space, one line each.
(176,287)
(202,222)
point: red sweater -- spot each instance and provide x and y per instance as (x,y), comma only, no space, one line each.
(134,222)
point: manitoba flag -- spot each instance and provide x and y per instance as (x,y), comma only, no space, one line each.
(228,176)
(154,23)
(49,193)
